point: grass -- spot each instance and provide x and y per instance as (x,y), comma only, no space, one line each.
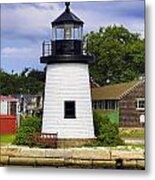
(6,139)
(134,146)
(131,132)
(129,147)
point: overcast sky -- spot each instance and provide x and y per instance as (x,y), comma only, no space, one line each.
(25,26)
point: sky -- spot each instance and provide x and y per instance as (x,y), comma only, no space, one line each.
(24,26)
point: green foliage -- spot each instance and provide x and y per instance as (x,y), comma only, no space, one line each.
(120,55)
(24,135)
(97,117)
(32,121)
(107,133)
(29,126)
(28,82)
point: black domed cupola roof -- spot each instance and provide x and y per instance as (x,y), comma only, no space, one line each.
(67,17)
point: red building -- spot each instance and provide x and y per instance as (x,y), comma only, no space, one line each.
(8,114)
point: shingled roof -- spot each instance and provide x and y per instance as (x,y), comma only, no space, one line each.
(115,91)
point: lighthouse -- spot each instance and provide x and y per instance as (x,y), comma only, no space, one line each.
(67,108)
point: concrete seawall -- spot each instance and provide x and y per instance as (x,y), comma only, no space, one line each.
(99,157)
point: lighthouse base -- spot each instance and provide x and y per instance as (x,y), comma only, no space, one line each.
(66,143)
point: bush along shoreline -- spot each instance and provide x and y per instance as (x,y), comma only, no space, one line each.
(29,126)
(106,132)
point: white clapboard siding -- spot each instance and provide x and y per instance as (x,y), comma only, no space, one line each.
(68,81)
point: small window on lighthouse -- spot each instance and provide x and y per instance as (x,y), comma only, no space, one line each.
(69,109)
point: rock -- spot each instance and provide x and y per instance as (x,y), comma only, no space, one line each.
(91,153)
(32,152)
(10,151)
(58,153)
(22,161)
(55,162)
(4,160)
(126,154)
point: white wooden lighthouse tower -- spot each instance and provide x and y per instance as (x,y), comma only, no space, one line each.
(67,101)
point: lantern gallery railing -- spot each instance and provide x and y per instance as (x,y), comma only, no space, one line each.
(49,48)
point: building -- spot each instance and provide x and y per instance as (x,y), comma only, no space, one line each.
(8,114)
(67,107)
(125,102)
(30,104)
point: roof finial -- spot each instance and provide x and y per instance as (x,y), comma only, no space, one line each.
(67,6)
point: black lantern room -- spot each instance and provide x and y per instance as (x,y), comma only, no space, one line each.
(67,40)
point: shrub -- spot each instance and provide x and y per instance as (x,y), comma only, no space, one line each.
(107,133)
(29,125)
(32,121)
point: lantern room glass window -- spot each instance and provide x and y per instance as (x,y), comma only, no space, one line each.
(67,32)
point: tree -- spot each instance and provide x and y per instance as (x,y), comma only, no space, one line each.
(38,75)
(120,55)
(28,82)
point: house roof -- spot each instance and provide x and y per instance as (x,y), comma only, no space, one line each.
(7,97)
(115,91)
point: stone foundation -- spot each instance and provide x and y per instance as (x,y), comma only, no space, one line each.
(65,143)
(98,157)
